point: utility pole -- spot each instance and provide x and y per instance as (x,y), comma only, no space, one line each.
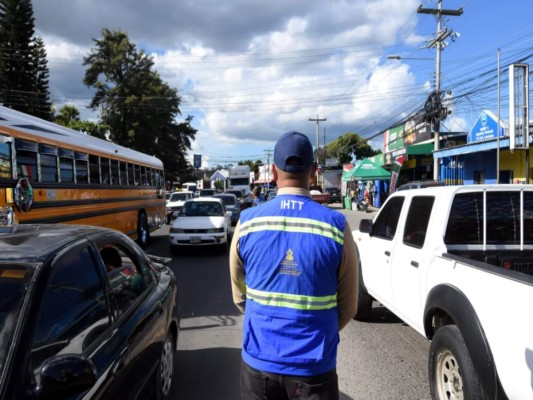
(317,120)
(268,154)
(439,44)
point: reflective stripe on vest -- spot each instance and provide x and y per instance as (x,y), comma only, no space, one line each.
(298,302)
(292,224)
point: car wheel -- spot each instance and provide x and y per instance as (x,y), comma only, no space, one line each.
(165,370)
(143,230)
(451,371)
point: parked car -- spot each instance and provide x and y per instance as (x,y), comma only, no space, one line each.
(232,204)
(420,185)
(334,195)
(202,221)
(207,192)
(175,202)
(71,329)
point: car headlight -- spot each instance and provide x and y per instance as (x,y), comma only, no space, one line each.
(177,230)
(215,230)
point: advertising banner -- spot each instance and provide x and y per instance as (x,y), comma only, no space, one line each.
(395,171)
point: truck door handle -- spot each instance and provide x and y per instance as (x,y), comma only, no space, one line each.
(414,264)
(387,253)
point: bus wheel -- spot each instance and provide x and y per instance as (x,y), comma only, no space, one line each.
(143,231)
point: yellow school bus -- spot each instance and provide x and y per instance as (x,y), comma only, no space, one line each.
(52,174)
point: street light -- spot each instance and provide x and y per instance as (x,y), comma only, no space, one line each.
(397,57)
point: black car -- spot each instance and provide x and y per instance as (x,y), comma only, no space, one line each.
(334,194)
(84,312)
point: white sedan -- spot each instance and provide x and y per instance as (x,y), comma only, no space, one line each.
(203,221)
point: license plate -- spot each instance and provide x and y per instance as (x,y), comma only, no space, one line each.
(196,239)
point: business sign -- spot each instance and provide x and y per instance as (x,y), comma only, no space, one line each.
(519,106)
(485,128)
(197,161)
(393,138)
(332,162)
(416,130)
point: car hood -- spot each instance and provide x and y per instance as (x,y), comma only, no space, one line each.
(198,222)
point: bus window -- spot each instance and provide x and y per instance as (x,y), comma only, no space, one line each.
(158,182)
(26,159)
(143,176)
(66,165)
(137,177)
(5,158)
(123,173)
(94,169)
(114,172)
(104,170)
(81,167)
(48,160)
(152,177)
(131,175)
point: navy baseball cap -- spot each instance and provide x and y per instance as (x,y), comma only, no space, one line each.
(293,145)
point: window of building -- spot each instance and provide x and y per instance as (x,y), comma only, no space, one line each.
(66,165)
(94,169)
(82,160)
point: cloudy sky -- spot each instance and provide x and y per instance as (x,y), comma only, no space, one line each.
(249,70)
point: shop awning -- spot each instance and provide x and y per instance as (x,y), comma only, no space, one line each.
(367,170)
(420,149)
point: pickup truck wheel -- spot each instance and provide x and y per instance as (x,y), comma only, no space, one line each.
(451,371)
(364,300)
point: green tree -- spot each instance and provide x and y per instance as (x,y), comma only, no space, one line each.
(134,102)
(345,147)
(23,65)
(69,116)
(254,166)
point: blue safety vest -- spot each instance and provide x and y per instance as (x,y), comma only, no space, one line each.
(292,249)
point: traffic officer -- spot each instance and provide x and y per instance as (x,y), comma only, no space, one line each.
(294,275)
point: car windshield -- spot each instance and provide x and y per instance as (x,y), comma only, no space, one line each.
(13,286)
(178,197)
(228,200)
(202,209)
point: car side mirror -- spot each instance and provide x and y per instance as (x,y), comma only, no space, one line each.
(66,375)
(366,226)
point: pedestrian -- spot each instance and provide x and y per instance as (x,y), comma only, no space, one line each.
(294,276)
(258,196)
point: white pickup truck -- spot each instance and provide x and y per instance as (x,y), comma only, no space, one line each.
(456,264)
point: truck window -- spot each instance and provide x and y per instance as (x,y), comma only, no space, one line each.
(465,225)
(503,218)
(416,225)
(387,220)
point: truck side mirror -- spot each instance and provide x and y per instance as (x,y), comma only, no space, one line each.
(365,226)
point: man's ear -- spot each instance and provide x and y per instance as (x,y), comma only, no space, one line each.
(313,169)
(274,172)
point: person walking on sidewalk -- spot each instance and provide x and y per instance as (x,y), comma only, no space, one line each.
(294,275)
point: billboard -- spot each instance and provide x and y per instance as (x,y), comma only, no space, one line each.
(197,161)
(518,106)
(485,128)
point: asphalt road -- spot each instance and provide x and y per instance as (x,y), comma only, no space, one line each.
(381,359)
